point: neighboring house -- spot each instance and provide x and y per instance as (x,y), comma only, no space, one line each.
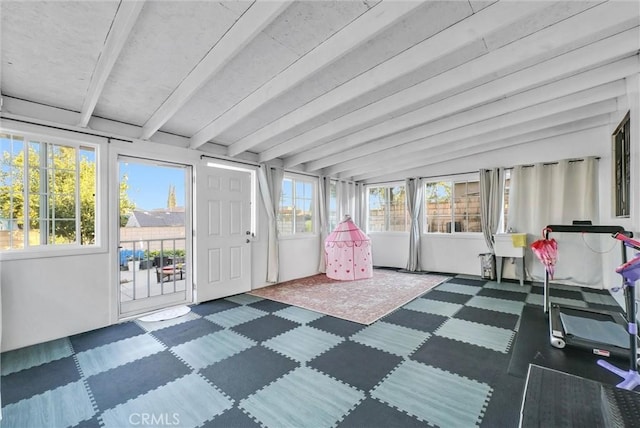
(157,218)
(157,228)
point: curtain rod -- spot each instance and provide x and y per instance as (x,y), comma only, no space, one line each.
(473,172)
(109,138)
(431,176)
(553,163)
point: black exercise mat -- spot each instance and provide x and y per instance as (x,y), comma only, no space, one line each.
(554,399)
(532,347)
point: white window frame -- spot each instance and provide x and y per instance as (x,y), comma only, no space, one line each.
(452,180)
(387,212)
(76,140)
(314,205)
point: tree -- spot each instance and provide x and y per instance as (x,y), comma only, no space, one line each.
(126,205)
(438,204)
(171,200)
(438,192)
(387,208)
(51,192)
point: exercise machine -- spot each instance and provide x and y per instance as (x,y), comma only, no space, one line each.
(602,332)
(630,272)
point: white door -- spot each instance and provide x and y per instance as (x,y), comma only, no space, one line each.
(223,233)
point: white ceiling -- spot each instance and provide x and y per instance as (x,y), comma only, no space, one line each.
(361,90)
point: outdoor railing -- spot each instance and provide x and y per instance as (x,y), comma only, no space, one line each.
(166,255)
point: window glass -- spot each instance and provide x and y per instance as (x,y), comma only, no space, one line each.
(387,210)
(622,168)
(452,206)
(507,187)
(296,213)
(377,209)
(467,206)
(438,207)
(398,216)
(58,181)
(333,205)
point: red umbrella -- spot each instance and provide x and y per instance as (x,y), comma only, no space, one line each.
(547,251)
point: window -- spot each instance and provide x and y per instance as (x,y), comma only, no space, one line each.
(333,205)
(438,205)
(47,193)
(387,209)
(453,206)
(622,168)
(296,213)
(507,188)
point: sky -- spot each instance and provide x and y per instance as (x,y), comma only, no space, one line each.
(149,184)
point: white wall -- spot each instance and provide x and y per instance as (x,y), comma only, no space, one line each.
(454,254)
(51,297)
(389,249)
(299,257)
(48,298)
(458,254)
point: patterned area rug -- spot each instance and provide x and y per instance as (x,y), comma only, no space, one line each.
(363,301)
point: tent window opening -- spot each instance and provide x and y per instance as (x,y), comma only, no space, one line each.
(387,209)
(47,193)
(296,214)
(452,206)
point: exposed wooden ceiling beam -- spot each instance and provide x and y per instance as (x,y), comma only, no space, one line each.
(524,115)
(576,83)
(445,42)
(244,30)
(123,22)
(472,148)
(487,65)
(419,157)
(563,65)
(366,26)
(543,43)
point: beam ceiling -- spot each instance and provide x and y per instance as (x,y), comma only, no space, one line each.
(369,90)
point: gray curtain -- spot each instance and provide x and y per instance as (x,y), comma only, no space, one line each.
(558,193)
(359,214)
(415,199)
(324,189)
(346,199)
(270,180)
(491,189)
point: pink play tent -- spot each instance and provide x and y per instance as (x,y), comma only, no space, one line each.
(348,252)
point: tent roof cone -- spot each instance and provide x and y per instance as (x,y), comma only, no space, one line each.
(347,233)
